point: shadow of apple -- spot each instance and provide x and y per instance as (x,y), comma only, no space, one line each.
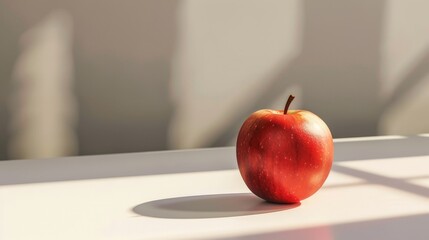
(209,206)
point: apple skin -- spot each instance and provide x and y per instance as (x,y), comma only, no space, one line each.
(284,158)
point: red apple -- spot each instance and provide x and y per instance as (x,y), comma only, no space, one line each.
(284,156)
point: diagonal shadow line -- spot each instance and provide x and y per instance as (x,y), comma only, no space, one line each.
(415,76)
(385,181)
(323,65)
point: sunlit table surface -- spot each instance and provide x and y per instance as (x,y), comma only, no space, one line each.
(378,189)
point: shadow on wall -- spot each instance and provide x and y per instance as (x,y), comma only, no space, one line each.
(338,70)
(123,74)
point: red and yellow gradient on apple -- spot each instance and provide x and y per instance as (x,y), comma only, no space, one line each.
(284,156)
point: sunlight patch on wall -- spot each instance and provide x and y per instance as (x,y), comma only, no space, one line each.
(42,105)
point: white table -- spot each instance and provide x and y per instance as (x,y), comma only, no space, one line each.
(378,189)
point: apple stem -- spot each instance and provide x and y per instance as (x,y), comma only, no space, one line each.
(289,100)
